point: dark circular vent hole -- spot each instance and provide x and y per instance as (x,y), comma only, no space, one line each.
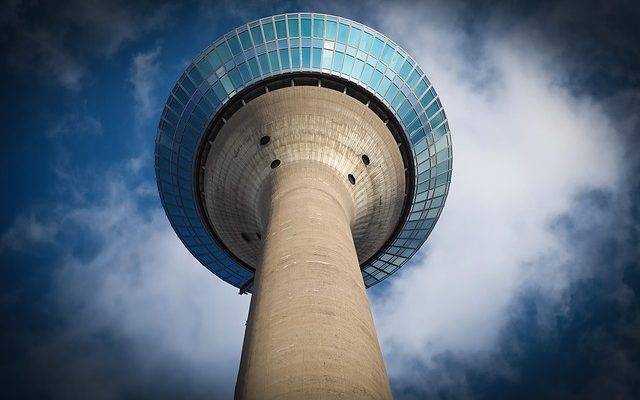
(275,163)
(245,237)
(352,179)
(264,140)
(365,159)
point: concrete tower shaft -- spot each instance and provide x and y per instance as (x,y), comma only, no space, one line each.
(310,332)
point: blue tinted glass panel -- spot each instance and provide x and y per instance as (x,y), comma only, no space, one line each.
(354,39)
(214,60)
(337,61)
(273,60)
(284,58)
(269,31)
(377,47)
(331,30)
(293,26)
(348,63)
(375,80)
(234,43)
(343,33)
(318,27)
(245,39)
(386,54)
(204,67)
(365,43)
(317,55)
(253,64)
(234,74)
(306,57)
(326,58)
(244,71)
(406,68)
(223,52)
(281,29)
(366,74)
(295,57)
(256,34)
(264,63)
(357,68)
(305,27)
(226,83)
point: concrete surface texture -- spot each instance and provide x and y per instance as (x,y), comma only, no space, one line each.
(310,333)
(303,123)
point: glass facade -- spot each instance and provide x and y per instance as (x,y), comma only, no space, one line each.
(314,43)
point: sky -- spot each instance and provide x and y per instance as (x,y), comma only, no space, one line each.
(527,288)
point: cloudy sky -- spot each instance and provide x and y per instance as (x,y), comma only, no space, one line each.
(528,287)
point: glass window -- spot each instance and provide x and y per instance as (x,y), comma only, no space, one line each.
(348,63)
(317,56)
(245,39)
(435,121)
(343,33)
(244,71)
(433,108)
(318,27)
(354,39)
(427,98)
(295,57)
(396,62)
(406,68)
(256,34)
(377,47)
(391,93)
(284,58)
(326,58)
(305,27)
(386,54)
(357,68)
(421,88)
(269,32)
(234,44)
(386,82)
(264,63)
(438,133)
(293,26)
(375,80)
(226,83)
(331,30)
(366,74)
(214,59)
(253,64)
(337,61)
(223,52)
(204,67)
(219,91)
(235,77)
(281,29)
(366,41)
(306,57)
(273,59)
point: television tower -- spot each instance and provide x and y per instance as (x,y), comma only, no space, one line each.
(304,158)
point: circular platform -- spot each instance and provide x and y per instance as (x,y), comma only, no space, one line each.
(359,64)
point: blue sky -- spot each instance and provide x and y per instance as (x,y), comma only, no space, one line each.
(527,288)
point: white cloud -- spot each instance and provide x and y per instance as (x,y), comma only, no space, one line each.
(144,76)
(524,148)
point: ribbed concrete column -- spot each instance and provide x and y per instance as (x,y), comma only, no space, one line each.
(310,333)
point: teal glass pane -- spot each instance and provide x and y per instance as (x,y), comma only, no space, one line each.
(245,39)
(234,44)
(219,91)
(427,98)
(331,30)
(348,64)
(305,27)
(226,83)
(284,58)
(433,108)
(281,29)
(256,34)
(264,63)
(295,57)
(244,71)
(337,61)
(366,41)
(437,119)
(214,60)
(366,74)
(376,49)
(415,75)
(273,59)
(294,26)
(236,79)
(421,88)
(439,132)
(326,58)
(386,54)
(318,27)
(253,65)
(384,85)
(343,33)
(357,68)
(306,57)
(406,68)
(269,31)
(317,56)
(396,62)
(354,39)
(391,93)
(204,67)
(375,79)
